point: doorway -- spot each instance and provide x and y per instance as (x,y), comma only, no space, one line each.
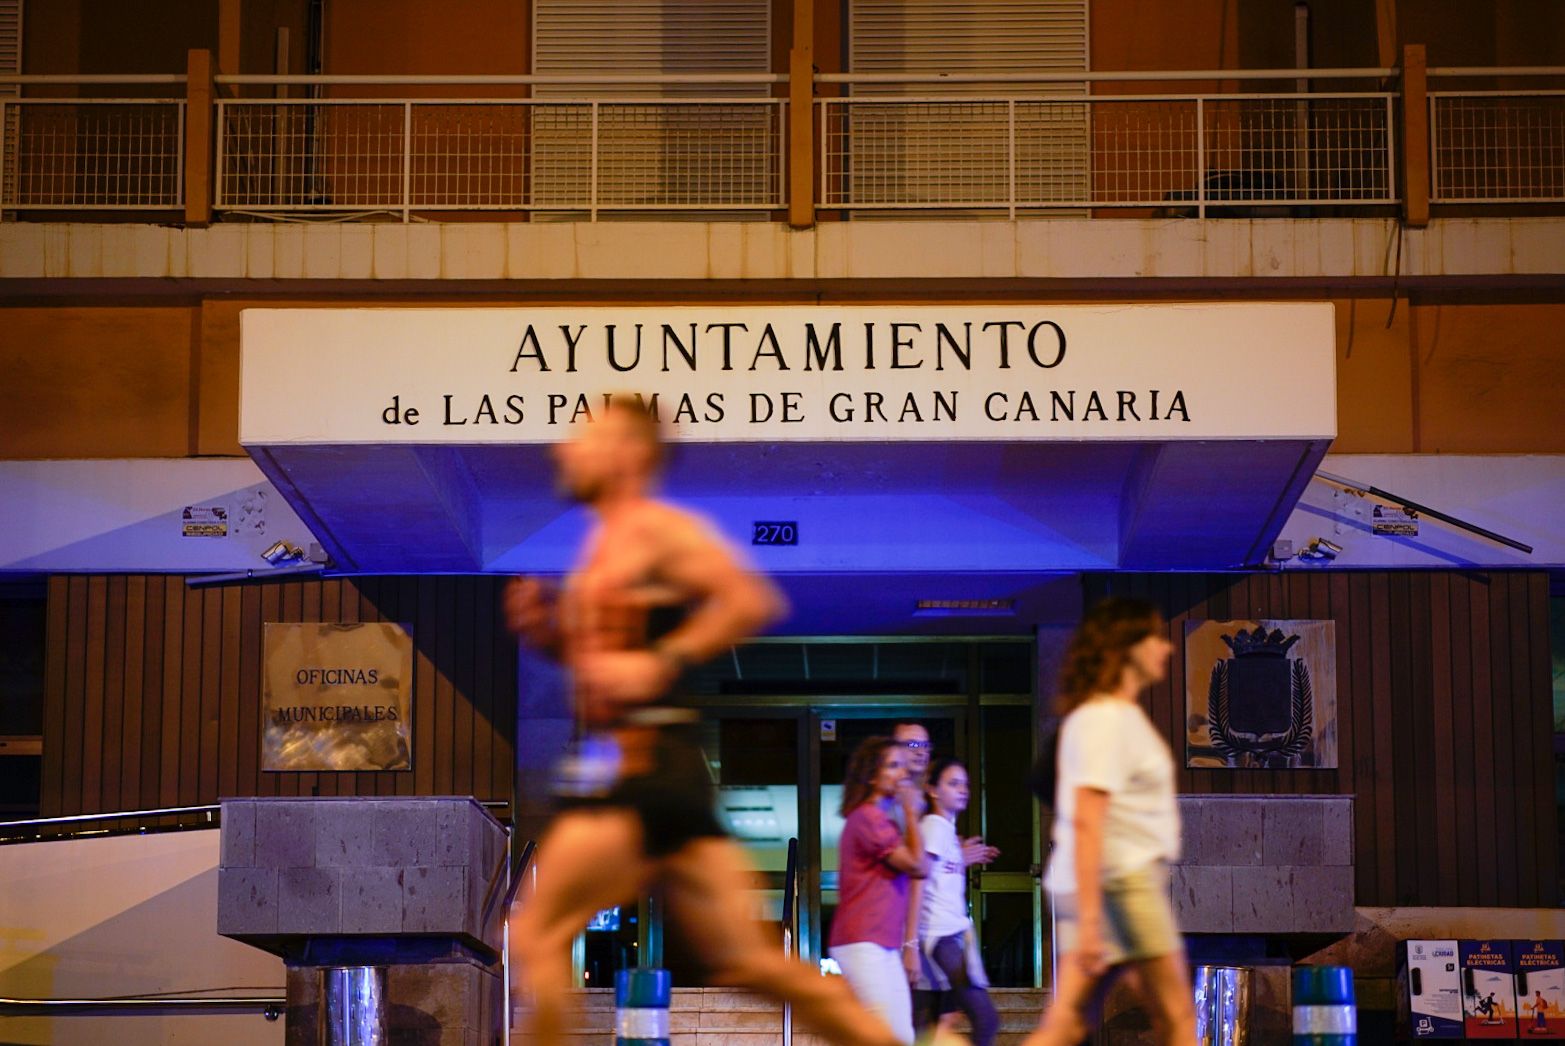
(777,734)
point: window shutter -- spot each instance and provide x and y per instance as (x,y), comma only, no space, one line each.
(11,65)
(928,152)
(654,154)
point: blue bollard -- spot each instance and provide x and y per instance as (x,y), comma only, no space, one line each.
(641,999)
(1324,1013)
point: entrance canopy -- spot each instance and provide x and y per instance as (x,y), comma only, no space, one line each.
(885,440)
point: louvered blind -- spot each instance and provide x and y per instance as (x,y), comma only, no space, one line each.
(10,64)
(652,151)
(651,37)
(930,152)
(969,36)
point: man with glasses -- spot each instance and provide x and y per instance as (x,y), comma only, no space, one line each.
(915,741)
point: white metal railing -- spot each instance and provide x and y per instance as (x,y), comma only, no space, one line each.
(91,153)
(927,148)
(708,152)
(1498,145)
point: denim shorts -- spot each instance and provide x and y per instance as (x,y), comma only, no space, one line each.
(1138,917)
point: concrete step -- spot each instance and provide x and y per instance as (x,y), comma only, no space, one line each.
(726,1017)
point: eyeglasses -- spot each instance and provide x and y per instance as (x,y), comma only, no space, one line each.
(917,746)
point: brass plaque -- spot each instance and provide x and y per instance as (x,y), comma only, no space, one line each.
(337,697)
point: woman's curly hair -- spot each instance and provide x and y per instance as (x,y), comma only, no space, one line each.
(1095,660)
(858,781)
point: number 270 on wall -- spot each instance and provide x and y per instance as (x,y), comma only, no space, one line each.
(774,532)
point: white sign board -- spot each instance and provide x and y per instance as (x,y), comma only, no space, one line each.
(793,373)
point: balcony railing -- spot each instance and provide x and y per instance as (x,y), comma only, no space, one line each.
(1209,143)
(1497,145)
(720,151)
(93,153)
(912,144)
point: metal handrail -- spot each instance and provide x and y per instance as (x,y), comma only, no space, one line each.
(790,927)
(78,78)
(169,811)
(518,80)
(1497,70)
(121,815)
(269,1006)
(1083,76)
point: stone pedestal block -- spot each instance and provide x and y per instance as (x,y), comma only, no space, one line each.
(411,885)
(1265,864)
(352,867)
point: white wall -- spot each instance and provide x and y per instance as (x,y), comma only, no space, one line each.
(1521,496)
(122,915)
(64,516)
(1047,248)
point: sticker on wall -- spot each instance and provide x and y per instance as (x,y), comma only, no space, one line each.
(1261,694)
(337,697)
(204,521)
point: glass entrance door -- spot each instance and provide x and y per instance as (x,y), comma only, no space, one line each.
(777,732)
(838,731)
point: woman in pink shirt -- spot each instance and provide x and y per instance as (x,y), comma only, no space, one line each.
(876,858)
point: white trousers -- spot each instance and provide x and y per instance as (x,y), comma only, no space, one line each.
(878,979)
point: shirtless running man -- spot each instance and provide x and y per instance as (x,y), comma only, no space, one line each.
(636,803)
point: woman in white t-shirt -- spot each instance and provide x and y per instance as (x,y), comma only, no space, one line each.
(947,939)
(1116,828)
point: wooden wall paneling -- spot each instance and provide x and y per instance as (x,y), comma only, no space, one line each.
(1500,630)
(1176,604)
(445,648)
(190,699)
(91,783)
(173,689)
(1444,752)
(1445,729)
(152,697)
(1542,738)
(1385,734)
(247,695)
(134,690)
(406,601)
(1401,720)
(503,775)
(1463,786)
(227,748)
(1426,771)
(212,637)
(1523,726)
(1339,598)
(463,622)
(486,663)
(1356,754)
(425,674)
(1482,687)
(1322,606)
(57,638)
(108,796)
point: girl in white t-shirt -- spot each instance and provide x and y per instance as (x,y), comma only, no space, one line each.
(947,938)
(1116,829)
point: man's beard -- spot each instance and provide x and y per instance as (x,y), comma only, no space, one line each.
(582,491)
